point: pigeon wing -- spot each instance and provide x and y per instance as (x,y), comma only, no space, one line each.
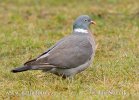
(70,52)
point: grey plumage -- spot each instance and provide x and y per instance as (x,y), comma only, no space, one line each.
(70,55)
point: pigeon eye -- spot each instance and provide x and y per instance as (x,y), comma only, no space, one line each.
(85,20)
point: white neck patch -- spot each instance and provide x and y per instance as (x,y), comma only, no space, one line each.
(80,30)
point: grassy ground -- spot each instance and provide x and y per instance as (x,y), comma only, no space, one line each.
(29,27)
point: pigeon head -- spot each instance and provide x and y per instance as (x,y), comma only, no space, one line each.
(82,22)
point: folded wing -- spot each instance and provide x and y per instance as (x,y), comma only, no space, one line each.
(70,52)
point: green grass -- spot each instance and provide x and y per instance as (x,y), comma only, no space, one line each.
(29,27)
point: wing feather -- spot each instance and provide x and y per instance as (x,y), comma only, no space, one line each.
(70,52)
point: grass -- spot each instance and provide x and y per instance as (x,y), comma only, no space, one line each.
(29,27)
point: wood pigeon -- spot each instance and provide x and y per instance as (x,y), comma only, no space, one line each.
(70,55)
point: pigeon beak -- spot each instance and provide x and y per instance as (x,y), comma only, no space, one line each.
(92,22)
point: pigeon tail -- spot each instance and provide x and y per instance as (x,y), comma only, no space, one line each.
(21,69)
